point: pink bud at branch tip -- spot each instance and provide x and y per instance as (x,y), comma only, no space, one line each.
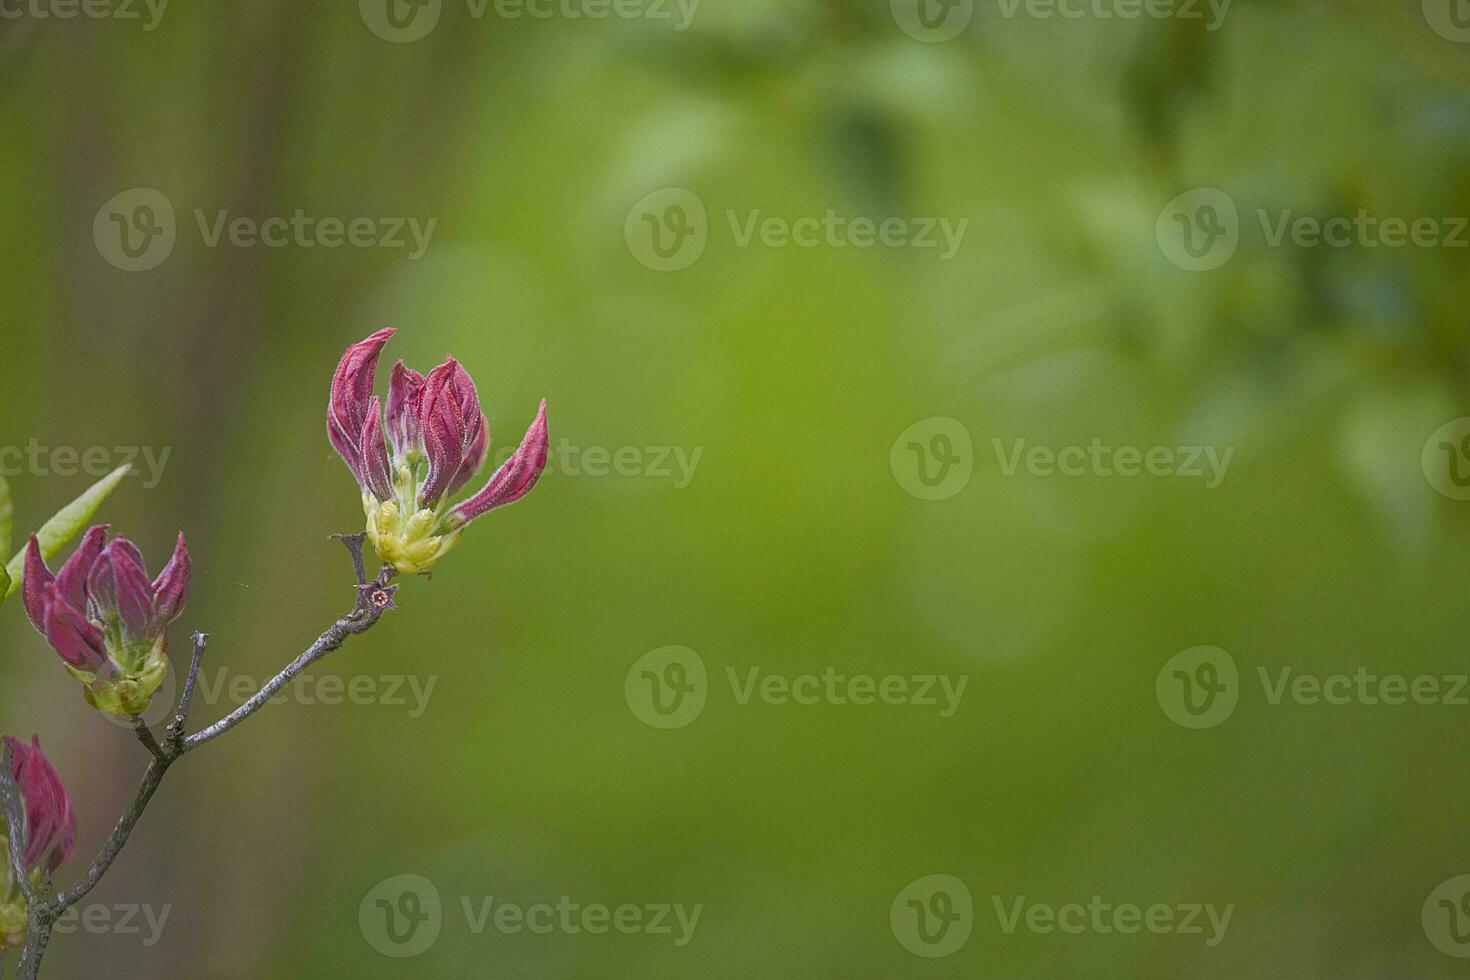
(412,456)
(105,619)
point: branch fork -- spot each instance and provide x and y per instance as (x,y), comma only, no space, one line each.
(44,904)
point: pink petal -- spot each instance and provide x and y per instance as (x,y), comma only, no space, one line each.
(403,408)
(33,585)
(72,579)
(77,641)
(516,476)
(171,588)
(373,463)
(352,387)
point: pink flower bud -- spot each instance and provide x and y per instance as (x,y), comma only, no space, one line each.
(516,476)
(105,619)
(51,823)
(439,439)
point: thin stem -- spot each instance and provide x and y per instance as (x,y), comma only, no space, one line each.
(37,938)
(181,718)
(374,598)
(119,836)
(45,905)
(15,823)
(145,735)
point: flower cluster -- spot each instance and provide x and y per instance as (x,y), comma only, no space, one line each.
(439,439)
(106,619)
(50,832)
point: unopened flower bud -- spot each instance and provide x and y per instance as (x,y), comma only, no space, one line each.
(105,619)
(439,439)
(50,832)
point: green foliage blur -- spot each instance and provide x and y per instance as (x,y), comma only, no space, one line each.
(793,546)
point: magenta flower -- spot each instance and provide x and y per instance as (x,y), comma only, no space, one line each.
(105,618)
(439,439)
(50,832)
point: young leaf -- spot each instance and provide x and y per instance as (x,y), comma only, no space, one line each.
(65,525)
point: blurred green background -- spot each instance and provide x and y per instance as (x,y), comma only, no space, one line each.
(795,545)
